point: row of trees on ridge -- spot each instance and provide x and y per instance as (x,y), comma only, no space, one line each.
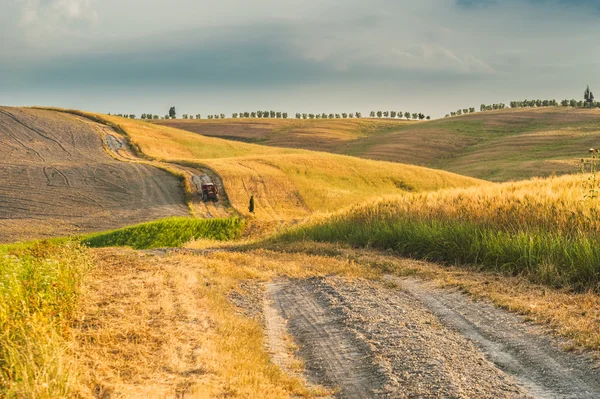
(172,114)
(399,114)
(588,101)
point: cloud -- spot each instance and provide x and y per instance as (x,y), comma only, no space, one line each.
(433,57)
(29,12)
(46,13)
(489,47)
(75,9)
(567,4)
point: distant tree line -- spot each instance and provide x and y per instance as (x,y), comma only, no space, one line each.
(399,114)
(172,114)
(261,114)
(462,111)
(129,116)
(325,115)
(186,116)
(482,108)
(588,101)
(553,103)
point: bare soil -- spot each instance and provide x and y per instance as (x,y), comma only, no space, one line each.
(119,147)
(404,339)
(57,179)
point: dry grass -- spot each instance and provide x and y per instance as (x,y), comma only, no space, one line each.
(328,135)
(39,288)
(164,327)
(154,326)
(286,183)
(500,145)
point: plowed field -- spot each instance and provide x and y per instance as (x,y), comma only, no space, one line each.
(56,179)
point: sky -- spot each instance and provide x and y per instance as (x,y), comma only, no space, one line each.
(225,56)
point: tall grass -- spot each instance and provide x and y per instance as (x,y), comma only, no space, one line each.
(541,228)
(39,286)
(171,232)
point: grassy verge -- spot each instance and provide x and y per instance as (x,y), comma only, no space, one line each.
(546,258)
(540,229)
(39,287)
(192,327)
(172,232)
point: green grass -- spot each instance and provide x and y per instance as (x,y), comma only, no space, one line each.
(171,232)
(547,258)
(541,229)
(39,287)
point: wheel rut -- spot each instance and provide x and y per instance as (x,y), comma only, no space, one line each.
(118,146)
(404,339)
(517,347)
(335,356)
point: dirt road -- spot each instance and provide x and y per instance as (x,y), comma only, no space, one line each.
(404,339)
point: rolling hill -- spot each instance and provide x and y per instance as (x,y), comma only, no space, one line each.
(59,176)
(286,183)
(510,144)
(57,179)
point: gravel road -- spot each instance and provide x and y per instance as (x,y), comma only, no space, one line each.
(402,339)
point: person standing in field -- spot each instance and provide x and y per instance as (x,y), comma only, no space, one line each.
(251,205)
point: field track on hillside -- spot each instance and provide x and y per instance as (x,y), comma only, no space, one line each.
(263,324)
(57,179)
(117,145)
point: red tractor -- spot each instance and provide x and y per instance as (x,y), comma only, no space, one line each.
(210,192)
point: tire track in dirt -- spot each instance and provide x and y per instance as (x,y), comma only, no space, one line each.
(50,176)
(26,147)
(56,180)
(195,176)
(515,346)
(374,340)
(334,355)
(45,135)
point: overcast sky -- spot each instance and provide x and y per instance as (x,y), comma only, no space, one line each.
(213,56)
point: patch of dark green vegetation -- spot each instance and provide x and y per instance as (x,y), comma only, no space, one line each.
(171,232)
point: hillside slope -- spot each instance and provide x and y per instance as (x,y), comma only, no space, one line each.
(57,179)
(501,145)
(543,229)
(286,183)
(330,135)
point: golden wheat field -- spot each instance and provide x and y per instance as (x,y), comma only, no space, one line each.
(503,145)
(286,183)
